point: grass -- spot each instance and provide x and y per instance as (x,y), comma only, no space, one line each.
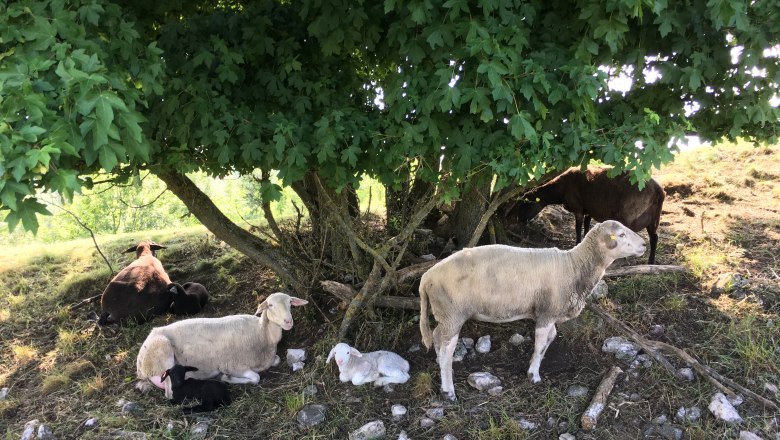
(720,217)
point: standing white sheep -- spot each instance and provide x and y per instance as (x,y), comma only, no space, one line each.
(380,367)
(233,347)
(499,283)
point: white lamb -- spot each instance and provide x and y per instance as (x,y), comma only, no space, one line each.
(380,367)
(235,348)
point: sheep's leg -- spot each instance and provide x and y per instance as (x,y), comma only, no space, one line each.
(578,226)
(392,377)
(586,224)
(248,376)
(446,352)
(653,243)
(543,337)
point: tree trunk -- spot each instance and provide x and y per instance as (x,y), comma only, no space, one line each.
(223,228)
(469,210)
(400,203)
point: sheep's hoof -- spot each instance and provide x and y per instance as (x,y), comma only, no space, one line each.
(450,396)
(534,378)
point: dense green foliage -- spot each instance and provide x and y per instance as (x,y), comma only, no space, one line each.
(368,88)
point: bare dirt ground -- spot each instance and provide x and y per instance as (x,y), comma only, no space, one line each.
(721,220)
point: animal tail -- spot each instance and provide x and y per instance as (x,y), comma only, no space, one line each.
(425,329)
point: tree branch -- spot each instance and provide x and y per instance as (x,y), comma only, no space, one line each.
(91,233)
(497,201)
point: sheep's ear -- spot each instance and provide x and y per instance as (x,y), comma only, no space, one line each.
(297,301)
(188,368)
(610,239)
(330,355)
(262,307)
(355,352)
(164,376)
(154,246)
(131,249)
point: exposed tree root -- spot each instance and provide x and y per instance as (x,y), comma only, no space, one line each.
(599,401)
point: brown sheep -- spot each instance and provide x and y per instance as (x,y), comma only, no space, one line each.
(139,290)
(592,194)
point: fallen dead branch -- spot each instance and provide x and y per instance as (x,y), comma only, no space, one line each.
(85,302)
(642,269)
(655,348)
(599,401)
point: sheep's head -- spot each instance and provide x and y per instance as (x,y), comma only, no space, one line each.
(144,247)
(341,352)
(525,209)
(277,309)
(176,374)
(176,289)
(618,240)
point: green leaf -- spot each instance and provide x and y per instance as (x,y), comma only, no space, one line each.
(107,159)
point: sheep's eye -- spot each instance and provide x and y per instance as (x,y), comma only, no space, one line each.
(270,306)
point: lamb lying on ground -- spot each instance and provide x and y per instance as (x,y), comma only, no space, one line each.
(233,347)
(188,299)
(498,283)
(210,393)
(380,367)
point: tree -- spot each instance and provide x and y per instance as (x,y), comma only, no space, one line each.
(443,103)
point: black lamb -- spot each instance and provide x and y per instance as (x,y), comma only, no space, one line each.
(210,393)
(188,299)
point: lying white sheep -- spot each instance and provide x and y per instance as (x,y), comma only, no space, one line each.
(380,367)
(233,347)
(499,283)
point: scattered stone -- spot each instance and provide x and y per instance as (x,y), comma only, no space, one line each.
(200,428)
(577,391)
(398,411)
(370,430)
(496,391)
(130,408)
(3,393)
(435,413)
(747,435)
(91,423)
(768,387)
(567,436)
(722,409)
(414,348)
(526,424)
(310,390)
(660,420)
(468,342)
(634,397)
(449,437)
(311,414)
(563,426)
(687,374)
(656,330)
(551,422)
(737,400)
(483,381)
(29,429)
(516,339)
(427,257)
(460,351)
(642,361)
(661,427)
(692,414)
(403,436)
(426,423)
(277,361)
(623,349)
(388,388)
(44,433)
(600,290)
(298,366)
(483,344)
(295,355)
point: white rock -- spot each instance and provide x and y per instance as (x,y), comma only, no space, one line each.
(435,413)
(398,411)
(295,355)
(737,400)
(29,429)
(403,436)
(623,349)
(414,348)
(370,430)
(483,344)
(3,393)
(526,424)
(687,374)
(642,361)
(91,423)
(427,257)
(460,351)
(449,437)
(577,391)
(600,290)
(199,429)
(747,435)
(496,391)
(44,433)
(768,387)
(298,366)
(692,414)
(567,436)
(516,339)
(722,409)
(468,342)
(426,422)
(277,360)
(483,381)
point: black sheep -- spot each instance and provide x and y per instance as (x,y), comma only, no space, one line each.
(188,299)
(593,194)
(210,393)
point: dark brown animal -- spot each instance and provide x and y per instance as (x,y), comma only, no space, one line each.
(592,194)
(139,290)
(188,299)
